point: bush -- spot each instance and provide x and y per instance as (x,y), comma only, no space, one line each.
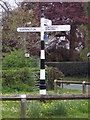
(16,59)
(71,68)
(52,74)
(19,80)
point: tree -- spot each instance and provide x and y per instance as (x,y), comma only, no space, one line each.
(6,6)
(11,38)
(69,13)
(85,51)
(59,13)
(66,13)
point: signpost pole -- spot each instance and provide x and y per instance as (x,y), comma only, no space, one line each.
(48,28)
(42,57)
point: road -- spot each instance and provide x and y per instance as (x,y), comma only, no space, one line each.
(76,86)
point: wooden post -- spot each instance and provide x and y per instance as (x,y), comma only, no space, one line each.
(23,106)
(55,86)
(62,84)
(84,87)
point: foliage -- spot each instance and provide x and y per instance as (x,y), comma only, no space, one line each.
(52,74)
(71,68)
(61,55)
(57,109)
(24,80)
(17,74)
(60,13)
(65,13)
(34,109)
(16,59)
(46,109)
(88,10)
(84,52)
(17,80)
(49,109)
(11,109)
(10,37)
(16,71)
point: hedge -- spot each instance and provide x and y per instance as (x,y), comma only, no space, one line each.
(71,68)
(21,79)
(27,79)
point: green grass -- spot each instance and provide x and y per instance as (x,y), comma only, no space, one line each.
(59,91)
(68,91)
(48,109)
(11,109)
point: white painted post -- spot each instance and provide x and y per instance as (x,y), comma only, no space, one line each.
(42,62)
(84,87)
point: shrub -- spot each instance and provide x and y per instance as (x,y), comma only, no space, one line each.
(16,59)
(52,74)
(19,80)
(71,68)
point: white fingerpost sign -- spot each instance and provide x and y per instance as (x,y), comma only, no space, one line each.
(28,29)
(46,26)
(57,28)
(47,22)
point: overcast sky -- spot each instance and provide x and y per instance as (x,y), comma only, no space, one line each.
(12,2)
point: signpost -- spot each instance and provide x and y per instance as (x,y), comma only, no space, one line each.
(48,28)
(54,28)
(28,29)
(47,22)
(45,28)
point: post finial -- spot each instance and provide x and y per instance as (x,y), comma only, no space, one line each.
(42,11)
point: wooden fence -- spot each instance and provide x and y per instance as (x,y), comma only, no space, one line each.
(61,82)
(24,98)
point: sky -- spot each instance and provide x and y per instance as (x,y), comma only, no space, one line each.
(12,2)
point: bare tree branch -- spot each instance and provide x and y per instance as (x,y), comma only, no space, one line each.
(5,6)
(17,3)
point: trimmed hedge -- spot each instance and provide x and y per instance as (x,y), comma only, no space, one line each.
(71,68)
